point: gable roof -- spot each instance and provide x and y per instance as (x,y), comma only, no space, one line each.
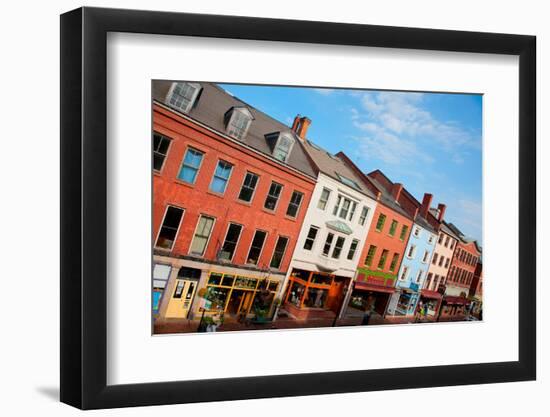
(210,109)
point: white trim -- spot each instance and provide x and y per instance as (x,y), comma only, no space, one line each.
(232,139)
(229,223)
(245,112)
(162,222)
(261,250)
(314,240)
(167,150)
(195,232)
(187,147)
(255,188)
(299,205)
(328,199)
(292,143)
(274,209)
(284,252)
(197,88)
(214,176)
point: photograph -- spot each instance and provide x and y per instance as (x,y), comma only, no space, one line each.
(287,207)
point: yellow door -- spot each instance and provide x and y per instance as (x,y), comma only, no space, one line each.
(181,300)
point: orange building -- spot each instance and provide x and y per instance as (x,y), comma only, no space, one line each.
(230,190)
(385,245)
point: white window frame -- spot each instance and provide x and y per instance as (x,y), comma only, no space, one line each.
(236,243)
(412,249)
(284,252)
(195,232)
(326,202)
(357,241)
(404,273)
(419,276)
(253,191)
(162,222)
(192,148)
(426,257)
(229,127)
(341,247)
(314,240)
(416,232)
(261,250)
(278,198)
(197,88)
(279,139)
(364,215)
(226,180)
(299,205)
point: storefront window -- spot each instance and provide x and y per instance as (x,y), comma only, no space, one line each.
(295,294)
(301,274)
(217,297)
(321,279)
(316,298)
(244,282)
(228,280)
(215,279)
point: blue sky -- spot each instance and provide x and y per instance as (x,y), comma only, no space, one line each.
(430,142)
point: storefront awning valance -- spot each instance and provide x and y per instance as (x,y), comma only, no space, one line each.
(431,294)
(371,287)
(455,300)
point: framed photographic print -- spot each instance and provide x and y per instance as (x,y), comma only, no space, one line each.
(258,208)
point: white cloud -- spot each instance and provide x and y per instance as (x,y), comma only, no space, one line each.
(402,114)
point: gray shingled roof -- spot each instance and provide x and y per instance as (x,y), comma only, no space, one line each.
(387,199)
(333,166)
(210,108)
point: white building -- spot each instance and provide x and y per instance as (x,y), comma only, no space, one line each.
(332,237)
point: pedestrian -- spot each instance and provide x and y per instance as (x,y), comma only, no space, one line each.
(367,314)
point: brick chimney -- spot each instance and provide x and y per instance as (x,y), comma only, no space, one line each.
(301,125)
(295,123)
(441,211)
(426,203)
(396,191)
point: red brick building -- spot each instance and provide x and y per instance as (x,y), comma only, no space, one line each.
(460,277)
(230,190)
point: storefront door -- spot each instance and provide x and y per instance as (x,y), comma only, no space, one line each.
(239,301)
(181,300)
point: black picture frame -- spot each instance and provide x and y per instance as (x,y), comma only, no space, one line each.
(84,207)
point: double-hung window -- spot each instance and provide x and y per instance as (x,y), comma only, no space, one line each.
(310,238)
(202,235)
(382,260)
(248,187)
(169,227)
(160,148)
(279,252)
(393,228)
(256,247)
(380,222)
(221,177)
(294,204)
(190,166)
(230,243)
(353,249)
(323,200)
(363,216)
(394,261)
(273,196)
(370,255)
(338,247)
(328,244)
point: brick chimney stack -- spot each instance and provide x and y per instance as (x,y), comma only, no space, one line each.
(441,211)
(396,191)
(426,203)
(301,125)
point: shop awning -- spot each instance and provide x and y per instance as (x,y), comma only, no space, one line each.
(431,294)
(455,300)
(370,287)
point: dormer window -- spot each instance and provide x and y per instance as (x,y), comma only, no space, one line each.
(182,96)
(238,120)
(283,147)
(348,181)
